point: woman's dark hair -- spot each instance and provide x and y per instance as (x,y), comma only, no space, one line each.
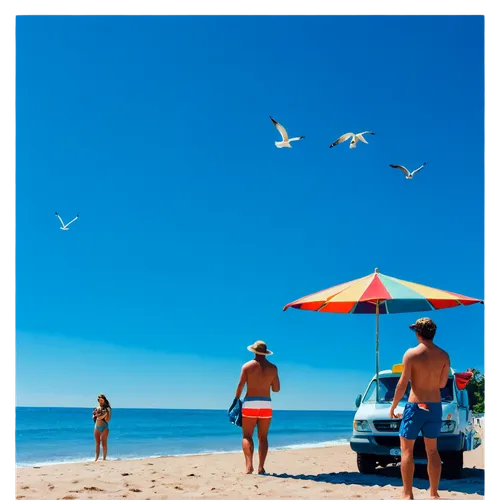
(106,402)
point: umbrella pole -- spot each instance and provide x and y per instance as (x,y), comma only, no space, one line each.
(376,347)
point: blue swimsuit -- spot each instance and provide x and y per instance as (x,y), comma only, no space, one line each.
(103,424)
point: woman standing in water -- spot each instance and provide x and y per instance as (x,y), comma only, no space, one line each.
(101,416)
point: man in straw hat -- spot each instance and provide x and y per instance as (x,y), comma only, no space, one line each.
(426,367)
(260,376)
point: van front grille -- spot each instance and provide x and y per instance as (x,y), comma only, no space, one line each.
(387,425)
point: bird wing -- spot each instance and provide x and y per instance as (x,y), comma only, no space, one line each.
(419,168)
(297,138)
(72,220)
(361,138)
(403,169)
(342,138)
(280,128)
(59,217)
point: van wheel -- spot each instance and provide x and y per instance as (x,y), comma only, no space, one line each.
(453,463)
(366,463)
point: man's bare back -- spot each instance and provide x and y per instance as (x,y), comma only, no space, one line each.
(429,366)
(261,376)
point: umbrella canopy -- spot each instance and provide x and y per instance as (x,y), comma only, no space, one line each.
(392,296)
(380,294)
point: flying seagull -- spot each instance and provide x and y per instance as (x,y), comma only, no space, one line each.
(285,143)
(64,226)
(354,140)
(405,170)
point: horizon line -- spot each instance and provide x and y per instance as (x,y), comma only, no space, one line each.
(154,408)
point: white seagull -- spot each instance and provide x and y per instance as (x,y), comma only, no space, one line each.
(64,226)
(285,143)
(409,175)
(354,140)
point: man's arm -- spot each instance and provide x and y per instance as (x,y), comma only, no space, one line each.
(444,373)
(402,384)
(241,383)
(275,385)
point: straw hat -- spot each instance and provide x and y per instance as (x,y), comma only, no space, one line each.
(259,347)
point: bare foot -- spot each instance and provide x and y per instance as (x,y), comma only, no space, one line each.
(435,496)
(249,470)
(261,471)
(407,497)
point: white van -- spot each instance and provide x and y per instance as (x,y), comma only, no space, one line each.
(375,436)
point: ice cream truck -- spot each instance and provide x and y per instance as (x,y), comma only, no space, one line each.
(375,436)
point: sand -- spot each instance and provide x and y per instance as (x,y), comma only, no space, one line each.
(315,473)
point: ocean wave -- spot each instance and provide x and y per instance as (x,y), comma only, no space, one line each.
(299,446)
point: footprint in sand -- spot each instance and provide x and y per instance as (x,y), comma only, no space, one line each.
(126,474)
(135,490)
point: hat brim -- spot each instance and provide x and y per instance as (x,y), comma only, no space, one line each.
(414,328)
(267,353)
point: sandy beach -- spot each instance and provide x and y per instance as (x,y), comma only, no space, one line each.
(306,473)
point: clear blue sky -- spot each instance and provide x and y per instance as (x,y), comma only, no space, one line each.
(195,230)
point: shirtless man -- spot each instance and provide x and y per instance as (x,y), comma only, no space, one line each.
(260,376)
(427,367)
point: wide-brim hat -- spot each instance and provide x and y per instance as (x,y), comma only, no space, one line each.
(259,347)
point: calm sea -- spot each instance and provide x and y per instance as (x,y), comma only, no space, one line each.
(56,435)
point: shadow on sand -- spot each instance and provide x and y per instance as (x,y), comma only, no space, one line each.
(472,480)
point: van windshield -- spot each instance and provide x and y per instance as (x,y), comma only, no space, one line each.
(388,387)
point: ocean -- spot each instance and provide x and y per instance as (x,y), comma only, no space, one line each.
(58,435)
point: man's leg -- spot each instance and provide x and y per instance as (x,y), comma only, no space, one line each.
(433,465)
(263,425)
(248,426)
(407,466)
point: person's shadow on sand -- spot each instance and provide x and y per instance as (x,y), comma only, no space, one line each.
(472,480)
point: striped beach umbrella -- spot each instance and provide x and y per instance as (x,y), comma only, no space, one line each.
(380,294)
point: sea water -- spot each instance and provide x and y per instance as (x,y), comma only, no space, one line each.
(58,435)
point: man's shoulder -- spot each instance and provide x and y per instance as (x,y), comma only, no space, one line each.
(411,352)
(443,352)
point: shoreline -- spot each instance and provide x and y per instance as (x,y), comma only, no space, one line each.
(308,473)
(322,444)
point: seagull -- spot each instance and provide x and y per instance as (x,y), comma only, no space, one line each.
(405,170)
(354,140)
(285,143)
(64,226)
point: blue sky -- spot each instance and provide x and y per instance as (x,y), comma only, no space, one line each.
(195,230)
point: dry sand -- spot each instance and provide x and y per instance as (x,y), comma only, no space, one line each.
(307,473)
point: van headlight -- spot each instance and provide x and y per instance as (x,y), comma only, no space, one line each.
(448,426)
(361,426)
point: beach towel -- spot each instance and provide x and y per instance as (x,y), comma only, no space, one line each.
(462,379)
(234,412)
